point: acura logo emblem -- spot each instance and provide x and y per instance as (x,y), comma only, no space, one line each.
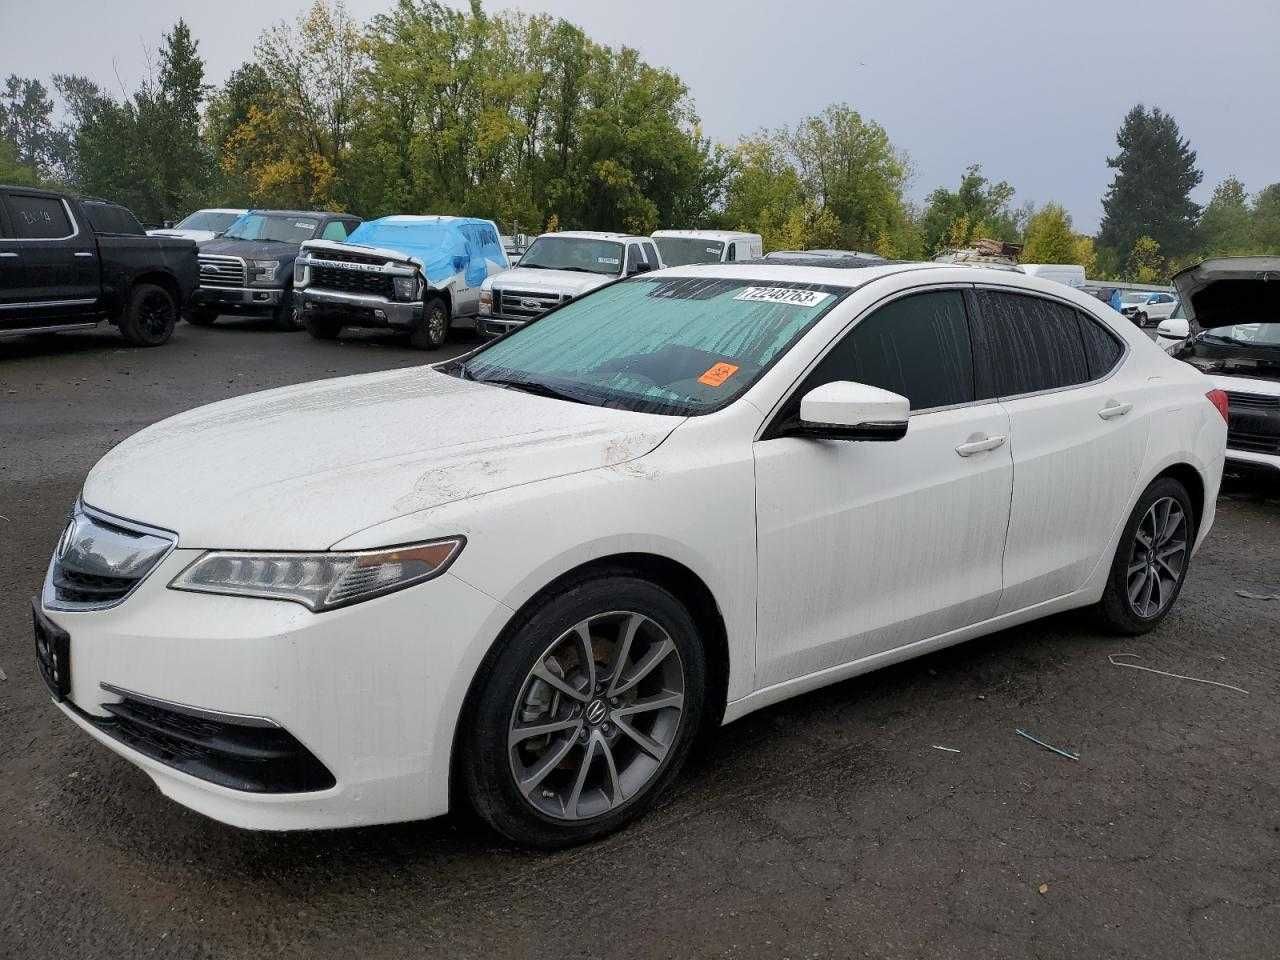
(596,711)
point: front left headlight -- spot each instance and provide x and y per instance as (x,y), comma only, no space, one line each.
(406,288)
(318,581)
(263,270)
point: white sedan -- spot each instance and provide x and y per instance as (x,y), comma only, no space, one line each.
(535,573)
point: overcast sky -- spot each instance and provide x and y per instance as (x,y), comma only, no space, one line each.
(1033,91)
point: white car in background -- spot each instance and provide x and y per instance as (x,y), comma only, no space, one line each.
(682,247)
(1143,307)
(201,226)
(529,576)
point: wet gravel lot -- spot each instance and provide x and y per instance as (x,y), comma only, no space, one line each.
(828,826)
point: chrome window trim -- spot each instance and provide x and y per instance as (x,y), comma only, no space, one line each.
(48,598)
(998,288)
(200,713)
(71,217)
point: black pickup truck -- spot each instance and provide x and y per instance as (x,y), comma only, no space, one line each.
(70,264)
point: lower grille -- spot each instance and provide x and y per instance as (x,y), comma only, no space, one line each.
(1253,442)
(256,759)
(351,281)
(523,304)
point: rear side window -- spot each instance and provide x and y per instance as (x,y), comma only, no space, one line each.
(917,346)
(336,230)
(651,254)
(112,218)
(1102,348)
(38,218)
(1028,344)
(731,255)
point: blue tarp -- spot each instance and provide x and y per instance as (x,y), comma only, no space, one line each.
(445,245)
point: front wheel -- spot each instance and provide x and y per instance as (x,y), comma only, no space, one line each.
(1142,319)
(150,316)
(587,713)
(431,330)
(288,315)
(1151,561)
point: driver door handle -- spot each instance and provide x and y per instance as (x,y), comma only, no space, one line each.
(1114,408)
(979,443)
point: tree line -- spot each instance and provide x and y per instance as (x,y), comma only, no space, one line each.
(526,120)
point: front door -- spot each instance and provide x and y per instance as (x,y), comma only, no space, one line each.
(59,272)
(868,546)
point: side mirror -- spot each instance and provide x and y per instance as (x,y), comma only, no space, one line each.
(639,266)
(1173,329)
(167,225)
(843,410)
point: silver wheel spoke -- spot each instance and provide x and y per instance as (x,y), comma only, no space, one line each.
(624,651)
(521,734)
(586,655)
(616,795)
(588,755)
(661,702)
(544,674)
(549,763)
(1135,589)
(656,654)
(646,743)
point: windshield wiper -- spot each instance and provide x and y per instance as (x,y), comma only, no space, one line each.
(532,386)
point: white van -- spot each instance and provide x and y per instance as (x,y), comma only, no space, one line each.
(1072,274)
(680,247)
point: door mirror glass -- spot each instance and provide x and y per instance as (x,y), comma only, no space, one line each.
(842,410)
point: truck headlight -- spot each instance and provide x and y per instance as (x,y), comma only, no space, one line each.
(299,271)
(318,581)
(405,288)
(262,270)
(486,303)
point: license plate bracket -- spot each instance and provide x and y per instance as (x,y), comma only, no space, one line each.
(53,653)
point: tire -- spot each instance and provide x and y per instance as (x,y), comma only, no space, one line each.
(201,316)
(431,330)
(1132,604)
(1142,319)
(566,802)
(288,315)
(323,328)
(150,316)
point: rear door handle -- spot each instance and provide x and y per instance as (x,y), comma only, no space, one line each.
(979,444)
(6,255)
(81,253)
(1114,408)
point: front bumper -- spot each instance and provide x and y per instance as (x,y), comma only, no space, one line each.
(497,326)
(361,309)
(1247,461)
(371,692)
(238,299)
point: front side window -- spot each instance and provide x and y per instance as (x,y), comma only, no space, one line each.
(651,254)
(681,251)
(580,254)
(681,345)
(336,230)
(38,218)
(273,227)
(1028,344)
(916,346)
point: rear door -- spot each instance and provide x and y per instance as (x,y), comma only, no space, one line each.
(13,282)
(60,273)
(1078,428)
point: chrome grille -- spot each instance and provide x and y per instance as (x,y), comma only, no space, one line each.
(99,560)
(524,305)
(216,271)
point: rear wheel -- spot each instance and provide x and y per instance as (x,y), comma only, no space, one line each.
(323,328)
(1151,561)
(1142,319)
(150,316)
(432,329)
(586,714)
(288,315)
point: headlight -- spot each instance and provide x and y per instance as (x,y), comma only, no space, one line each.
(299,270)
(405,288)
(263,270)
(318,581)
(486,302)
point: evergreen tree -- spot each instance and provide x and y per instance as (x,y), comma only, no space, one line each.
(1227,222)
(1266,221)
(1150,195)
(26,125)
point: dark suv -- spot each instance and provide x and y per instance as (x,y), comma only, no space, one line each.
(70,264)
(249,269)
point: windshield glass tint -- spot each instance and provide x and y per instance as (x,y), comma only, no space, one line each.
(208,220)
(258,226)
(581,254)
(1246,334)
(681,345)
(678,251)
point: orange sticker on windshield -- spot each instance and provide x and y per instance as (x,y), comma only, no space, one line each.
(718,374)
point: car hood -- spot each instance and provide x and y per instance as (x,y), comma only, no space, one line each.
(550,281)
(1231,290)
(302,467)
(199,236)
(257,249)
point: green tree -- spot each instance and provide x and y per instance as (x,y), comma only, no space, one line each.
(1266,221)
(26,125)
(1049,237)
(1145,263)
(1150,195)
(1227,222)
(978,208)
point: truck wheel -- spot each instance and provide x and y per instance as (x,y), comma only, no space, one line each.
(150,316)
(432,330)
(202,316)
(288,316)
(323,328)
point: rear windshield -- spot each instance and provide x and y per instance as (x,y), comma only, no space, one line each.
(674,345)
(273,226)
(678,251)
(207,220)
(580,254)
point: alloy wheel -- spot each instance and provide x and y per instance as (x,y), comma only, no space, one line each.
(596,716)
(155,313)
(1157,558)
(436,325)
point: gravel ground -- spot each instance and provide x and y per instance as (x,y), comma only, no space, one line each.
(828,826)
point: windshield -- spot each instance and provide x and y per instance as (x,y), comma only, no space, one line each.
(208,220)
(1135,297)
(1245,335)
(273,226)
(583,254)
(679,345)
(678,251)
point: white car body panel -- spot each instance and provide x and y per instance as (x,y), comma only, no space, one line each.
(539,487)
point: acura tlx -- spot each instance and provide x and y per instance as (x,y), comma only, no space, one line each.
(527,578)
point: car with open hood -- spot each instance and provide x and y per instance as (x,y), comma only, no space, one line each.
(526,578)
(1232,308)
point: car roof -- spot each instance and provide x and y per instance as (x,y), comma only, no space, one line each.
(708,234)
(412,218)
(595,235)
(303,213)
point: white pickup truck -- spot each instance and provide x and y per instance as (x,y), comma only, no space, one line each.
(557,268)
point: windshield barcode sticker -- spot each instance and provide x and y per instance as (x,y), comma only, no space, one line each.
(788,295)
